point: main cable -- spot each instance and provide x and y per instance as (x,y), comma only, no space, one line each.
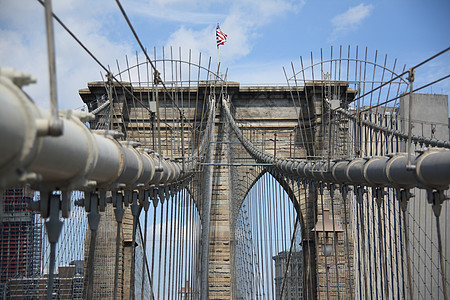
(91,54)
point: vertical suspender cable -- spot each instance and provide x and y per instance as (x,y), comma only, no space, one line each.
(163,224)
(206,208)
(193,253)
(391,239)
(133,253)
(401,243)
(372,281)
(255,241)
(312,194)
(367,290)
(267,240)
(153,243)
(360,264)
(261,245)
(307,267)
(259,240)
(170,240)
(146,270)
(441,258)
(250,242)
(335,241)
(282,223)
(118,211)
(382,249)
(350,286)
(271,228)
(175,247)
(184,267)
(388,276)
(398,240)
(324,241)
(293,223)
(186,260)
(406,246)
(144,250)
(276,220)
(265,236)
(179,255)
(181,234)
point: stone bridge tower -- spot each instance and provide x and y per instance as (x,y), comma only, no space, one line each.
(267,115)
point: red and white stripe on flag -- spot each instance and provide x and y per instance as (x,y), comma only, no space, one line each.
(221,37)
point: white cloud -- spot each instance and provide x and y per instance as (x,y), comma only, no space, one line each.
(196,40)
(350,20)
(99,25)
(174,11)
(241,23)
(266,73)
(23,47)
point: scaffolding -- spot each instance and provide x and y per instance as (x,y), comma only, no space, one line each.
(20,241)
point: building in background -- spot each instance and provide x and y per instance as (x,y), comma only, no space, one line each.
(20,236)
(293,286)
(68,284)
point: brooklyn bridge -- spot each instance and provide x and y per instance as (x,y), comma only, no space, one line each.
(177,183)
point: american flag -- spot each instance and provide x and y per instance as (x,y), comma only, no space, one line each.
(221,37)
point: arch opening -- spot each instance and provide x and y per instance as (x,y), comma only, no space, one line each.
(268,254)
(167,248)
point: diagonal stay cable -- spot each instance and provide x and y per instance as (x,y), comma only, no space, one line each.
(150,279)
(104,67)
(95,58)
(147,56)
(404,73)
(92,55)
(290,254)
(407,93)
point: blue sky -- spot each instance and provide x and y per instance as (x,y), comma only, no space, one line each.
(263,36)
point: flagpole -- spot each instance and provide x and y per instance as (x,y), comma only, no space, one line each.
(221,38)
(217,51)
(218,60)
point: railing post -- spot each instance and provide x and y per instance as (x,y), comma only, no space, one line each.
(410,103)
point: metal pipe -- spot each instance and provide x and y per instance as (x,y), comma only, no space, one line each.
(432,167)
(78,159)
